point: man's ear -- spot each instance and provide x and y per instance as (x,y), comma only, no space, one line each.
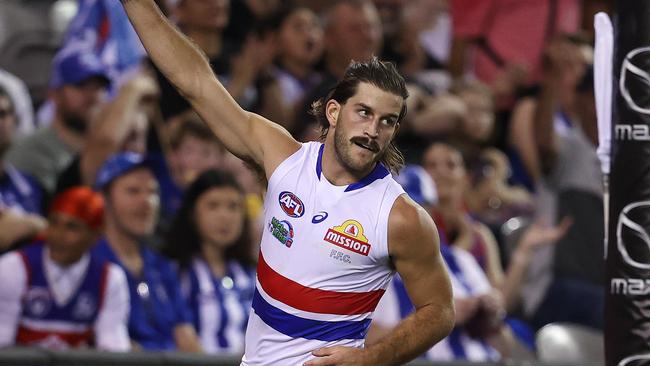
(332,110)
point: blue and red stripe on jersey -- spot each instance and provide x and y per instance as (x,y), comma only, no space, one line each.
(313,300)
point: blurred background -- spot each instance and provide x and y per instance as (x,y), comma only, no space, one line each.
(500,141)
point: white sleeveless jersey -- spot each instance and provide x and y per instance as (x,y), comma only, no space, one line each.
(323,263)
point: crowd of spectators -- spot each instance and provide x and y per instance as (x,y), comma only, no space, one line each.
(126,225)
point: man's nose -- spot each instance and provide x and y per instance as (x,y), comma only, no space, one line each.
(372,129)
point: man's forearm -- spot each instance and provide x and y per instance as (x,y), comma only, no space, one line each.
(414,335)
(171,51)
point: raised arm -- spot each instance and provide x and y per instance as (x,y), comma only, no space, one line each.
(113,125)
(247,135)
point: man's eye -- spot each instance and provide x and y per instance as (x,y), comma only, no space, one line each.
(363,113)
(389,121)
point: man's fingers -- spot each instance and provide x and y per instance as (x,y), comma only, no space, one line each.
(323,359)
(325,351)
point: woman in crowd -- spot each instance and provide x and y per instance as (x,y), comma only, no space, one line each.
(210,240)
(458,227)
(299,47)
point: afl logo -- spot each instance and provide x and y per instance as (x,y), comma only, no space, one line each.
(291,204)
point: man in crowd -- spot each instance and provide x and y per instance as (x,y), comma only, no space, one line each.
(77,88)
(58,295)
(159,319)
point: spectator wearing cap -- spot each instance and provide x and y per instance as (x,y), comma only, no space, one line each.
(56,293)
(77,87)
(160,319)
(121,125)
(20,195)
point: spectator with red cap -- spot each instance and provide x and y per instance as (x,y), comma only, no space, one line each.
(160,319)
(58,295)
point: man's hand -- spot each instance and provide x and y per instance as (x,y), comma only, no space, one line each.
(341,356)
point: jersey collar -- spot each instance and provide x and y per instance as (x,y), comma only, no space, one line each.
(379,172)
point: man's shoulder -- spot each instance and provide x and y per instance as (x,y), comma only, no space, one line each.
(408,221)
(41,144)
(12,269)
(11,259)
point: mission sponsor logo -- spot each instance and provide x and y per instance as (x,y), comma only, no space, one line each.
(291,204)
(282,230)
(349,236)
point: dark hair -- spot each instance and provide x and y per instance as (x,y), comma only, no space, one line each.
(5,94)
(327,15)
(183,239)
(381,74)
(277,17)
(195,127)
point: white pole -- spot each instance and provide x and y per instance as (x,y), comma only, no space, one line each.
(603,59)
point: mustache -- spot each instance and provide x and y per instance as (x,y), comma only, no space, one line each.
(372,144)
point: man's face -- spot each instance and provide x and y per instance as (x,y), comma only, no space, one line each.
(364,126)
(301,37)
(68,237)
(390,12)
(354,33)
(7,124)
(445,165)
(219,216)
(204,14)
(194,156)
(132,203)
(77,103)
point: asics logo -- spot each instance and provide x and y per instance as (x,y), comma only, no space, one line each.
(319,217)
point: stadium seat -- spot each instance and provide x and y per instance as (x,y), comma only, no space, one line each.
(565,342)
(28,43)
(511,232)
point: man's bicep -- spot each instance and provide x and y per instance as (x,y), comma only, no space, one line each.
(425,278)
(247,135)
(415,250)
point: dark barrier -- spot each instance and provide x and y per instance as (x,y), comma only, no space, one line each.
(627,309)
(38,357)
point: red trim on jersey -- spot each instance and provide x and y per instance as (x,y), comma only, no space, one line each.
(102,287)
(314,300)
(28,268)
(26,336)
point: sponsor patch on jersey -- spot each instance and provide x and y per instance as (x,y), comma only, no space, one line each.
(282,230)
(85,307)
(319,217)
(349,236)
(291,204)
(38,302)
